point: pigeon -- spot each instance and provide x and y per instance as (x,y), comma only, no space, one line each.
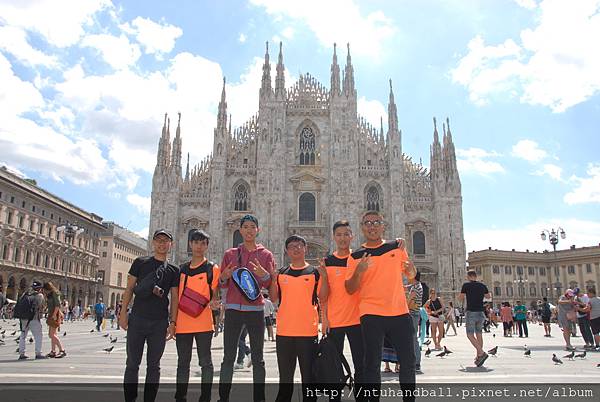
(1,342)
(493,335)
(525,347)
(569,356)
(91,330)
(13,333)
(114,340)
(556,360)
(581,355)
(441,354)
(427,352)
(105,335)
(527,353)
(65,333)
(447,351)
(30,340)
(15,324)
(3,332)
(427,342)
(108,350)
(493,351)
(598,365)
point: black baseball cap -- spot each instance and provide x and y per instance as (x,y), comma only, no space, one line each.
(295,237)
(198,234)
(36,285)
(250,218)
(163,232)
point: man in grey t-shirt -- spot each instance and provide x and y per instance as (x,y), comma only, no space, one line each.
(594,303)
(35,324)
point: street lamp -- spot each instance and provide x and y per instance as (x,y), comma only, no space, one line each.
(70,232)
(97,281)
(553,238)
(521,285)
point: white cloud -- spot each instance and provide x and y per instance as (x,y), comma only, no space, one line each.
(476,161)
(553,64)
(156,38)
(579,232)
(60,22)
(550,170)
(588,190)
(242,38)
(372,110)
(288,33)
(528,150)
(528,4)
(366,34)
(115,50)
(143,233)
(14,41)
(141,203)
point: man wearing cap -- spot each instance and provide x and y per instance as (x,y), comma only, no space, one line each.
(240,310)
(35,324)
(151,279)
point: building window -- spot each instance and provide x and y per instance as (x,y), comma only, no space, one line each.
(5,252)
(530,270)
(12,200)
(33,208)
(119,279)
(556,271)
(571,269)
(104,254)
(240,198)
(16,254)
(105,243)
(373,199)
(588,268)
(496,269)
(544,289)
(519,270)
(508,270)
(532,290)
(9,217)
(21,221)
(23,204)
(543,271)
(497,290)
(307,146)
(307,208)
(418,242)
(509,291)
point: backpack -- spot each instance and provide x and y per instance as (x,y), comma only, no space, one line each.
(546,310)
(331,367)
(25,307)
(425,293)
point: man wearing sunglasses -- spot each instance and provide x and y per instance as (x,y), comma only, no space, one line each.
(151,279)
(375,271)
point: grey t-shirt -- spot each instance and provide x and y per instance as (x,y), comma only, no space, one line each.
(595,304)
(563,309)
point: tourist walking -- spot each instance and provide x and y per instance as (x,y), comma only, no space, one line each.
(435,310)
(583,310)
(54,320)
(546,315)
(31,320)
(376,272)
(415,302)
(594,315)
(99,309)
(475,292)
(269,313)
(506,315)
(151,279)
(450,318)
(566,316)
(520,314)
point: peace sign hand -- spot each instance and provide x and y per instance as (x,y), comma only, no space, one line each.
(322,268)
(227,272)
(257,268)
(365,262)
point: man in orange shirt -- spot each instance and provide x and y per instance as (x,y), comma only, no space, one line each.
(195,275)
(375,273)
(341,317)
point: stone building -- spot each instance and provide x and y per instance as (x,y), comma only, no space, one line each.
(31,247)
(304,161)
(529,276)
(118,248)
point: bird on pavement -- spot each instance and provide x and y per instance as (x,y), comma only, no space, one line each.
(65,333)
(105,335)
(108,350)
(13,333)
(598,365)
(581,355)
(556,360)
(447,351)
(15,324)
(494,335)
(427,342)
(30,340)
(3,332)
(113,340)
(493,351)
(569,356)
(91,330)
(441,354)
(527,353)
(427,352)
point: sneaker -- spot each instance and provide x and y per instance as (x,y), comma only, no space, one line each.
(238,366)
(481,359)
(51,355)
(61,354)
(418,371)
(249,363)
(23,357)
(40,357)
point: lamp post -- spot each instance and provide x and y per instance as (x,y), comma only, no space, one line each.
(96,282)
(70,232)
(553,238)
(520,285)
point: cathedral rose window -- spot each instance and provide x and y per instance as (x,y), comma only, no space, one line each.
(373,199)
(307,146)
(240,198)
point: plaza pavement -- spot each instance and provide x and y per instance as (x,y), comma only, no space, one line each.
(87,362)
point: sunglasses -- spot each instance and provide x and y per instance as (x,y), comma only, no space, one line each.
(372,223)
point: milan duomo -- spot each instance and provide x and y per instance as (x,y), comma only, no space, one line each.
(304,161)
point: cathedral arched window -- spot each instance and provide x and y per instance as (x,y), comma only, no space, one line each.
(241,201)
(373,199)
(307,146)
(307,208)
(418,242)
(237,238)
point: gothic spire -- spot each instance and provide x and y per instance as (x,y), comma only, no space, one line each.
(449,151)
(349,76)
(280,78)
(162,145)
(392,112)
(187,168)
(265,88)
(335,74)
(381,129)
(176,155)
(222,114)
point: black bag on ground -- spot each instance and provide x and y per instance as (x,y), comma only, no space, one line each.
(330,367)
(25,307)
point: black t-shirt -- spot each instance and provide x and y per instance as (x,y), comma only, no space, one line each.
(475,292)
(153,307)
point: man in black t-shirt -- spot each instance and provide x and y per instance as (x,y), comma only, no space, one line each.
(475,292)
(151,279)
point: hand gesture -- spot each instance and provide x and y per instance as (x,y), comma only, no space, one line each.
(401,243)
(227,272)
(123,320)
(322,268)
(365,262)
(257,268)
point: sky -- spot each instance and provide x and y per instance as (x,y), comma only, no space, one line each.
(84,86)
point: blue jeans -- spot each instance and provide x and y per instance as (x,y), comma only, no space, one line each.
(99,318)
(474,321)
(416,315)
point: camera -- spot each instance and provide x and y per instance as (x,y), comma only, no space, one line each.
(158,291)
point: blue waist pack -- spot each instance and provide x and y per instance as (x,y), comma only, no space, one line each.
(245,281)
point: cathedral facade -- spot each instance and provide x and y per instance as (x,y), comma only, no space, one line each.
(304,161)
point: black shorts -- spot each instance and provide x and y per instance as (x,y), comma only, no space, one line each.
(546,319)
(595,324)
(268,321)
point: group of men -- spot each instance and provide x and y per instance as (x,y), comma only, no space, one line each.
(355,294)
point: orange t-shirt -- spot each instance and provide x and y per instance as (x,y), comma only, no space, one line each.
(197,280)
(381,290)
(297,314)
(342,308)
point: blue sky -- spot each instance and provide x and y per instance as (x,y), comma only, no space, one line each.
(84,86)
